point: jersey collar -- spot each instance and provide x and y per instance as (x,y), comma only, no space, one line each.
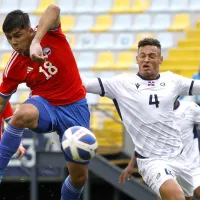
(148,79)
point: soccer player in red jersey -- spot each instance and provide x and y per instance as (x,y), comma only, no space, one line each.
(42,58)
(5,117)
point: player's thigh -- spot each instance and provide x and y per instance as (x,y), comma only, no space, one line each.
(170,189)
(76,114)
(46,119)
(184,178)
(157,174)
(25,116)
(78,173)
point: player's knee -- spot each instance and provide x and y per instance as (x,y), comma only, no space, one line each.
(79,180)
(176,195)
(197,192)
(25,116)
(170,190)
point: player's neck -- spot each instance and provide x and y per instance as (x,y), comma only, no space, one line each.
(148,78)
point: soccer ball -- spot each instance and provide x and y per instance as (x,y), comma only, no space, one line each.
(79,144)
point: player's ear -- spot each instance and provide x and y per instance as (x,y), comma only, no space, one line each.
(31,30)
(137,59)
(161,59)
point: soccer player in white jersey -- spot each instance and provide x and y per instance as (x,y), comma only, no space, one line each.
(187,116)
(145,102)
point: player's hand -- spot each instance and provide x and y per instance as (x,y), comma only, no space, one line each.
(21,151)
(126,174)
(36,52)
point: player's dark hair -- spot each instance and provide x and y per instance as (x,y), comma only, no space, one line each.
(150,42)
(15,19)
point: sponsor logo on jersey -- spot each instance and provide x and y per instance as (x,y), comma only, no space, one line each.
(47,51)
(151,83)
(29,69)
(137,85)
(158,176)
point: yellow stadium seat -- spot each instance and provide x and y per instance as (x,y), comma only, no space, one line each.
(67,23)
(125,60)
(194,34)
(189,43)
(23,96)
(111,124)
(105,61)
(139,37)
(4,59)
(198,24)
(121,6)
(71,39)
(187,52)
(94,122)
(42,6)
(181,63)
(103,23)
(116,114)
(106,104)
(180,23)
(179,67)
(140,6)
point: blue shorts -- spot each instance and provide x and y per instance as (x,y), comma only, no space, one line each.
(60,118)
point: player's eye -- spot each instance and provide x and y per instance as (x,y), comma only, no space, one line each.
(8,37)
(17,36)
(152,56)
(142,56)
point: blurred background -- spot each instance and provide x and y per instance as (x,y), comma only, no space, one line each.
(103,35)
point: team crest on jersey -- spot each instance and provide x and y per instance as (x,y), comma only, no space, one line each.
(151,83)
(29,69)
(47,51)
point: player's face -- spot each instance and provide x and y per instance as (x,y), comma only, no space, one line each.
(149,59)
(20,39)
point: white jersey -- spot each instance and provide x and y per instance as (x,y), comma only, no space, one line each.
(186,116)
(146,108)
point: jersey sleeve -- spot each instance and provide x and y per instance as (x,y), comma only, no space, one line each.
(11,77)
(184,85)
(8,112)
(57,31)
(111,86)
(8,86)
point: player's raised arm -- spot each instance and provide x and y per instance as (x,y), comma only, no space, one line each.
(3,103)
(49,19)
(92,85)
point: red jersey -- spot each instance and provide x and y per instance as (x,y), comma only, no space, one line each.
(57,79)
(5,116)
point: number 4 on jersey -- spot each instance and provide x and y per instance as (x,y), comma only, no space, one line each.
(154,101)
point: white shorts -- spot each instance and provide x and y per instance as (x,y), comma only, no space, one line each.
(155,171)
(196,177)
